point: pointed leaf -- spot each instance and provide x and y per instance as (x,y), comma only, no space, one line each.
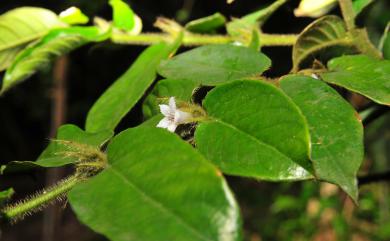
(362,74)
(335,129)
(21,26)
(255,130)
(38,56)
(73,15)
(326,35)
(157,188)
(384,45)
(124,93)
(123,15)
(206,24)
(53,156)
(215,64)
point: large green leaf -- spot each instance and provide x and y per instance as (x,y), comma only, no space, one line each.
(124,93)
(180,89)
(360,5)
(55,153)
(56,43)
(326,35)
(362,74)
(215,64)
(157,187)
(21,26)
(255,130)
(206,24)
(335,129)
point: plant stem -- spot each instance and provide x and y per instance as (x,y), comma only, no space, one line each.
(191,39)
(41,199)
(348,13)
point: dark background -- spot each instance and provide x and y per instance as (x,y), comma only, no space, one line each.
(26,110)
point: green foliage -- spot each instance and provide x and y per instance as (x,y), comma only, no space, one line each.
(56,43)
(6,194)
(64,150)
(123,15)
(256,139)
(215,64)
(21,26)
(73,15)
(361,74)
(336,132)
(325,34)
(124,93)
(159,188)
(206,24)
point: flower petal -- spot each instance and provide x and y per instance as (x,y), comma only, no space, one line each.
(165,110)
(172,103)
(172,127)
(164,123)
(181,117)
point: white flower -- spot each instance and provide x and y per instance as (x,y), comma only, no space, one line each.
(172,116)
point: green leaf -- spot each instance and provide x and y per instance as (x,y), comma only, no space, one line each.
(124,93)
(6,194)
(206,24)
(53,155)
(215,64)
(180,89)
(245,29)
(335,129)
(39,55)
(255,130)
(157,188)
(384,45)
(360,5)
(123,15)
(326,36)
(362,74)
(73,15)
(21,26)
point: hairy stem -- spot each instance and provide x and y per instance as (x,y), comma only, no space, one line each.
(348,13)
(191,39)
(41,199)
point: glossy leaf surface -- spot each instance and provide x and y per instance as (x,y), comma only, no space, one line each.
(206,24)
(21,26)
(157,187)
(362,74)
(336,131)
(215,64)
(256,131)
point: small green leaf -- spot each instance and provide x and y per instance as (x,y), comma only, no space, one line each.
(73,15)
(157,187)
(326,36)
(39,55)
(206,24)
(180,89)
(255,130)
(6,194)
(246,28)
(123,15)
(362,74)
(53,156)
(215,64)
(124,93)
(21,26)
(335,129)
(360,5)
(384,45)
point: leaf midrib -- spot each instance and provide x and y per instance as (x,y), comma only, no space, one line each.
(159,205)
